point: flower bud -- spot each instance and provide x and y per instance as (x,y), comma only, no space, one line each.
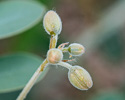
(54,56)
(80,78)
(52,23)
(76,49)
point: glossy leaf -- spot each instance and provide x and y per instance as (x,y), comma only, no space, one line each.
(16,70)
(18,16)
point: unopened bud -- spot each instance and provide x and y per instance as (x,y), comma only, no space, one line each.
(80,78)
(76,49)
(52,23)
(54,56)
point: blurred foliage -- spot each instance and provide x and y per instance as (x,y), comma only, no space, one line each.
(109,95)
(113,48)
(33,40)
(49,3)
(16,16)
(16,69)
(9,96)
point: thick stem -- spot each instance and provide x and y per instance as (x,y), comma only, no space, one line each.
(66,65)
(31,82)
(53,41)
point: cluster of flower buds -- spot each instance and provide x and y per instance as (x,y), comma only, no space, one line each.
(77,75)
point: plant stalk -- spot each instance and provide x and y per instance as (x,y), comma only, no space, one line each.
(63,64)
(53,41)
(32,81)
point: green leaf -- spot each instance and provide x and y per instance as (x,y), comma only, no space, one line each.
(19,16)
(10,95)
(17,69)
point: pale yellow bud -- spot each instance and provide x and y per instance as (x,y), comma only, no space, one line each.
(76,49)
(80,78)
(52,23)
(54,56)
